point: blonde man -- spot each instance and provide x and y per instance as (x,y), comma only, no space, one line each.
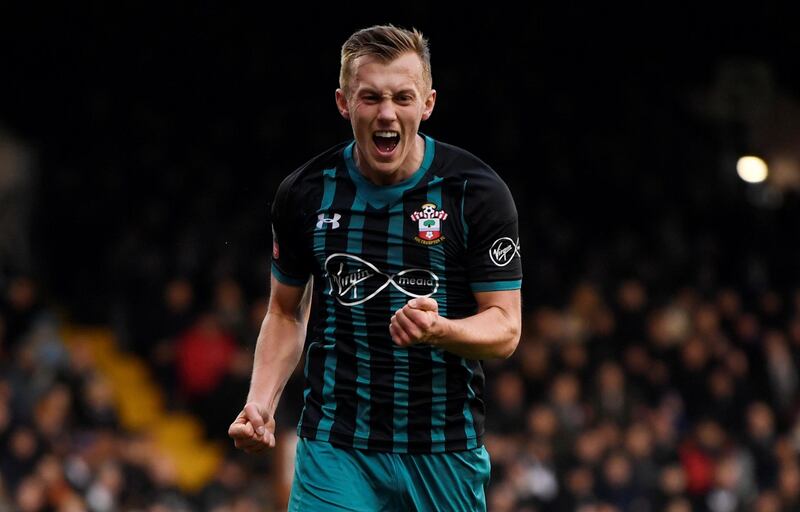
(411,248)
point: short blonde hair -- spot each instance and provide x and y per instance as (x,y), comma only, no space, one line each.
(385,42)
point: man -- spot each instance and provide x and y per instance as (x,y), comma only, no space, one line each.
(413,249)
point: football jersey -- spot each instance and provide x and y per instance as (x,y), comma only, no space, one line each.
(445,232)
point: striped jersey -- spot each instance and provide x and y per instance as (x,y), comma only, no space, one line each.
(447,231)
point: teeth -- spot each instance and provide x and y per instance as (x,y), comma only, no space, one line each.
(387,134)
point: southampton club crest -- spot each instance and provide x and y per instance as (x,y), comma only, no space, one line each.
(430,224)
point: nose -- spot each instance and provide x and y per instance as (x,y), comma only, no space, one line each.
(386,111)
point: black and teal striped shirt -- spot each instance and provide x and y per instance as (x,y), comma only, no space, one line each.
(446,232)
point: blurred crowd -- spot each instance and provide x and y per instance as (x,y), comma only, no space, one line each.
(619,398)
(619,401)
(62,446)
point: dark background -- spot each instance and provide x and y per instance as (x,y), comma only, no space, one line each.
(141,146)
(160,134)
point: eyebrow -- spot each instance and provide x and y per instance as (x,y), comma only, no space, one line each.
(372,90)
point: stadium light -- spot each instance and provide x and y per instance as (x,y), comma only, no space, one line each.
(752,169)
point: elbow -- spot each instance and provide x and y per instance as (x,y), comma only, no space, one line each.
(509,348)
(511,332)
(510,344)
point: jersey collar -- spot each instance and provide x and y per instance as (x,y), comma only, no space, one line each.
(380,196)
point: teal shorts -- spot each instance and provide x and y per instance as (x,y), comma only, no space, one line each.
(328,477)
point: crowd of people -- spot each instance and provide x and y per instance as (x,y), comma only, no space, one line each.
(62,445)
(620,398)
(619,401)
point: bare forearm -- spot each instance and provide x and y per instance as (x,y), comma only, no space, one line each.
(278,350)
(490,334)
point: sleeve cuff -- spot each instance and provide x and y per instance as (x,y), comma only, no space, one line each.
(496,286)
(285,279)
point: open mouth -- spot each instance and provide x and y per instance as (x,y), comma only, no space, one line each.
(386,141)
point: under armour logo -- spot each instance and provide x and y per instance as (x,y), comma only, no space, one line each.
(324,220)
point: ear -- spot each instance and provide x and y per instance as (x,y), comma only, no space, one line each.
(341,104)
(430,101)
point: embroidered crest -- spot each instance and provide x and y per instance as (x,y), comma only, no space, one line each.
(429,221)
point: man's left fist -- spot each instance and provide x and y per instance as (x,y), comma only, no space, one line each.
(416,322)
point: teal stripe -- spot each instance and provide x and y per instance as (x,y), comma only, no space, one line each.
(469,424)
(307,389)
(496,286)
(430,152)
(355,235)
(285,279)
(439,367)
(329,340)
(397,300)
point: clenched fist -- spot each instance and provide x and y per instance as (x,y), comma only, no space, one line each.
(416,322)
(253,430)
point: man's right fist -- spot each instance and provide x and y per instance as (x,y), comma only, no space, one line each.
(253,430)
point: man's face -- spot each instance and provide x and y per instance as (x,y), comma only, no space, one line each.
(385,104)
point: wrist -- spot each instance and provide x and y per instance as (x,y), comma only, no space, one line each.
(441,330)
(263,405)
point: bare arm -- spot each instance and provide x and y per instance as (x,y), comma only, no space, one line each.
(278,349)
(493,332)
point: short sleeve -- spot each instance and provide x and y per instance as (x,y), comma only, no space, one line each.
(289,261)
(492,235)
